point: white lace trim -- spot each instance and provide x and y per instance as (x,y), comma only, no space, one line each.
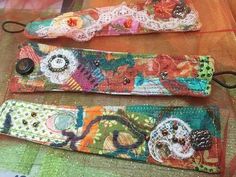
(176,150)
(63,76)
(108,15)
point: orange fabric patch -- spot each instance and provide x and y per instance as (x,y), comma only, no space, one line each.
(91,114)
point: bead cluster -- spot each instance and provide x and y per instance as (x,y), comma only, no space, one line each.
(97,63)
(181,10)
(59,58)
(171,137)
(35,124)
(164,75)
(126,81)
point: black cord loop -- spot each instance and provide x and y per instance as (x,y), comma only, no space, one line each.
(12,22)
(220,82)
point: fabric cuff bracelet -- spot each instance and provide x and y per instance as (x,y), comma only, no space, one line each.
(42,67)
(180,137)
(152,16)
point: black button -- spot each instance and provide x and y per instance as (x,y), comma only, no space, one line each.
(25,66)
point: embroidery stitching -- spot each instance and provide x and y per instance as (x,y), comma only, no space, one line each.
(117,140)
(114,73)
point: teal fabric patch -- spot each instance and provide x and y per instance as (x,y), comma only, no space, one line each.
(194,83)
(79,119)
(34,27)
(196,117)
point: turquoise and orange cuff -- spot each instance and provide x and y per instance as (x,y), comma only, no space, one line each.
(152,16)
(43,67)
(180,137)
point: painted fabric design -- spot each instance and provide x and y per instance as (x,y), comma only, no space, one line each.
(61,69)
(151,16)
(181,137)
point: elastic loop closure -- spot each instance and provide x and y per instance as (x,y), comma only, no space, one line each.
(12,22)
(220,82)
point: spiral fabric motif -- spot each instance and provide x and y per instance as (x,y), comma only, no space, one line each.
(171,138)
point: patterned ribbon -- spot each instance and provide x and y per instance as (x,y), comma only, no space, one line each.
(181,137)
(43,67)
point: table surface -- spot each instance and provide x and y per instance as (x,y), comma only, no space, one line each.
(34,160)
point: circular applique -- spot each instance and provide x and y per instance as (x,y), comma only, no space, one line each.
(61,121)
(59,65)
(171,138)
(25,66)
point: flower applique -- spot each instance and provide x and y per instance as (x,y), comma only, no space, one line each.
(164,9)
(59,65)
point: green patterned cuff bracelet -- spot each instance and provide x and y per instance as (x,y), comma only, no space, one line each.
(180,137)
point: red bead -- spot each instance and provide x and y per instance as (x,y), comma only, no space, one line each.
(72,22)
(128,23)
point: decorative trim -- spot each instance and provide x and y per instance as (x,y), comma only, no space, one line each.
(115,20)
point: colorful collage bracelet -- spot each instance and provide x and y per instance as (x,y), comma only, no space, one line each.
(180,137)
(43,67)
(148,17)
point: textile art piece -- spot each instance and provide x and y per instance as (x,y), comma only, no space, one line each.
(42,67)
(151,16)
(181,137)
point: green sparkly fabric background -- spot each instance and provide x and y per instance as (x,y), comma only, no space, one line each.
(34,160)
